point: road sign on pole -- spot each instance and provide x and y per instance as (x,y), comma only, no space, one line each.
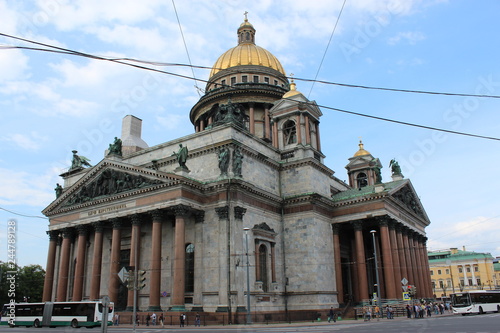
(404,282)
(406,297)
(123,275)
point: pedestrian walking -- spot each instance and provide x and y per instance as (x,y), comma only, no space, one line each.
(331,315)
(182,319)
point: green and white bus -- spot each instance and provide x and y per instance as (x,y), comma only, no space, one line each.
(52,314)
(475,301)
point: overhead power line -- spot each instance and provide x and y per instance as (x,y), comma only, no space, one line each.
(326,50)
(123,62)
(166,64)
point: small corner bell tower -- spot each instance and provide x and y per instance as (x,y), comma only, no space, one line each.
(363,169)
(295,125)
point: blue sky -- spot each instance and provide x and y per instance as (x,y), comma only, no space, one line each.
(51,103)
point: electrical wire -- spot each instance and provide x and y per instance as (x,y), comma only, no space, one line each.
(326,50)
(164,64)
(87,55)
(185,46)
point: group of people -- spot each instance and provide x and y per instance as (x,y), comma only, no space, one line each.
(419,310)
(153,319)
(426,309)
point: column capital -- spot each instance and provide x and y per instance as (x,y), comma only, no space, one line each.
(117,223)
(68,233)
(222,212)
(82,229)
(136,219)
(357,225)
(181,210)
(239,212)
(158,215)
(383,221)
(53,235)
(98,226)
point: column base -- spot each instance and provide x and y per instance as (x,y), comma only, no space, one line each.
(222,309)
(241,309)
(178,308)
(155,308)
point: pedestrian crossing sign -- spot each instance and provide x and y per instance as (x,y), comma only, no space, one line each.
(406,296)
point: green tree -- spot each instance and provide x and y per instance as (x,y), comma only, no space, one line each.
(31,279)
(19,282)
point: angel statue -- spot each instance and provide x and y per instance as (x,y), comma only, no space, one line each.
(79,161)
(395,168)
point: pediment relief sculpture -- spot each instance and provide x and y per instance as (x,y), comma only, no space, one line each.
(109,182)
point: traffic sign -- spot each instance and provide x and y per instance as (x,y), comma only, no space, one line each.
(406,297)
(122,274)
(405,288)
(404,282)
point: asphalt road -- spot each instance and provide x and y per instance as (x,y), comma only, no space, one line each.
(488,323)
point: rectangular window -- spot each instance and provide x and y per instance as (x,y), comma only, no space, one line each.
(266,80)
(449,284)
(478,282)
(233,81)
(468,269)
(470,282)
(223,82)
(460,270)
(255,79)
(476,268)
(462,283)
(432,272)
(447,271)
(244,78)
(275,82)
(439,272)
(441,284)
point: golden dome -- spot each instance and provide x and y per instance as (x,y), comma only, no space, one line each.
(246,53)
(361,150)
(293,91)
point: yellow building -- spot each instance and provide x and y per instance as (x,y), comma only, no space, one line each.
(496,274)
(457,270)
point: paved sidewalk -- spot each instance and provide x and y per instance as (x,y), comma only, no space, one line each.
(297,324)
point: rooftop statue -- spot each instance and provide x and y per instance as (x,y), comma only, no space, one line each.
(79,161)
(115,147)
(181,156)
(395,168)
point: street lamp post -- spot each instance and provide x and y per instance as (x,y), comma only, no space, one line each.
(376,266)
(249,318)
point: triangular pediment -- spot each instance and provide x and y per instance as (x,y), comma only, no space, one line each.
(108,180)
(300,103)
(407,196)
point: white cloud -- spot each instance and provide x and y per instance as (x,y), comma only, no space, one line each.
(477,234)
(411,37)
(74,14)
(170,121)
(31,141)
(22,188)
(13,65)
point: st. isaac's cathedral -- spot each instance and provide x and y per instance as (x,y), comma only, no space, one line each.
(250,176)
